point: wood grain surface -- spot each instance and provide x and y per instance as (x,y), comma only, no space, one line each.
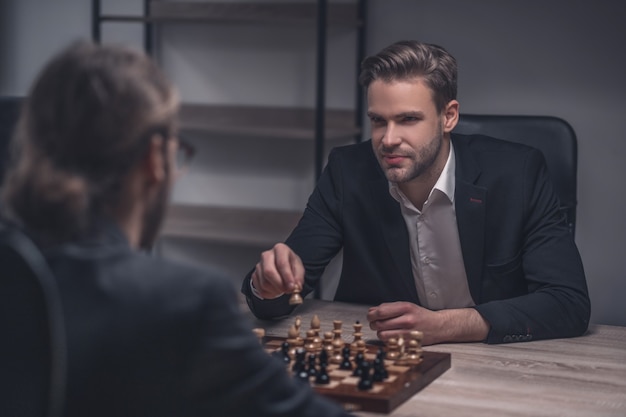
(583,376)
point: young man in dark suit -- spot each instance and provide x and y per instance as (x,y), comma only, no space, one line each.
(96,158)
(457,236)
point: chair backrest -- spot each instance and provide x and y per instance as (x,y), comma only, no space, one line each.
(551,135)
(32,346)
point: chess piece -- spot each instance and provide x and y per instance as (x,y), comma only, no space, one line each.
(322,376)
(414,347)
(337,343)
(327,343)
(317,340)
(312,362)
(293,339)
(402,358)
(393,350)
(380,362)
(365,383)
(337,327)
(315,324)
(345,364)
(283,353)
(358,336)
(298,363)
(300,368)
(380,373)
(310,341)
(358,358)
(323,358)
(295,298)
(358,361)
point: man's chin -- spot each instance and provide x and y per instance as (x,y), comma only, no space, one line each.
(395,174)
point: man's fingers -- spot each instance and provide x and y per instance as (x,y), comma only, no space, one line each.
(279,271)
(266,279)
(399,316)
(289,267)
(297,269)
(283,267)
(385,335)
(387,311)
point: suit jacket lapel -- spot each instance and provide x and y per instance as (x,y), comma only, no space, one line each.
(394,231)
(470,204)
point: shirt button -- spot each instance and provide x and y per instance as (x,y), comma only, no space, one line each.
(433,295)
(426,260)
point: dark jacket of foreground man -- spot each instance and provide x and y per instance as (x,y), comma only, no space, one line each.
(148,337)
(524,271)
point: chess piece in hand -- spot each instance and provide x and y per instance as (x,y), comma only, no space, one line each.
(295,298)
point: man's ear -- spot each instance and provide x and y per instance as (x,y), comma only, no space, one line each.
(450,116)
(153,163)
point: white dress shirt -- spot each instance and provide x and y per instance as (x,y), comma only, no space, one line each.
(436,257)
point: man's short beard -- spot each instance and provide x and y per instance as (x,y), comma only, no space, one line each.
(421,165)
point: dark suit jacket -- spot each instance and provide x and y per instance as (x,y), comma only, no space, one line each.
(523,268)
(147,337)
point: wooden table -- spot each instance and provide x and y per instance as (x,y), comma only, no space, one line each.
(584,376)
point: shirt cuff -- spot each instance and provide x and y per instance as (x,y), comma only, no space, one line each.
(255,292)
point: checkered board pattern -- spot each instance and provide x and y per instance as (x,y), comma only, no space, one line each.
(402,384)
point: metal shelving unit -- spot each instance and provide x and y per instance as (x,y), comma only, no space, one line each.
(318,124)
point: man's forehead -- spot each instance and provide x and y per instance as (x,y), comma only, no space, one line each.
(399,96)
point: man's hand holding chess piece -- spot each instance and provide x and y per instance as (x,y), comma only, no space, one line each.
(279,271)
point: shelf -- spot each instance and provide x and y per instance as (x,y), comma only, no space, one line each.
(242,226)
(263,121)
(340,14)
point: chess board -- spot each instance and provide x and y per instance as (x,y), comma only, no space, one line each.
(403,381)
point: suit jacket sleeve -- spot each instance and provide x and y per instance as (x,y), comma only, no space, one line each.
(555,301)
(317,238)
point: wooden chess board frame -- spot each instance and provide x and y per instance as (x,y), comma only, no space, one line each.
(384,397)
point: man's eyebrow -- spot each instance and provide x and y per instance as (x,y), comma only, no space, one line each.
(416,113)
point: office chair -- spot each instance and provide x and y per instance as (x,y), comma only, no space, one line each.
(32,346)
(551,135)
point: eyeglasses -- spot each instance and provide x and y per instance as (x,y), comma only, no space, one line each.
(184,154)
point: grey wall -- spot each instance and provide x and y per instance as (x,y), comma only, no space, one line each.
(563,58)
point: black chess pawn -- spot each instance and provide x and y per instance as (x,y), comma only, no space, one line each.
(298,363)
(380,373)
(322,376)
(346,364)
(323,357)
(381,355)
(311,369)
(365,383)
(359,358)
(303,375)
(283,353)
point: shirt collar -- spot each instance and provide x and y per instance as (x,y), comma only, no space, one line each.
(445,183)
